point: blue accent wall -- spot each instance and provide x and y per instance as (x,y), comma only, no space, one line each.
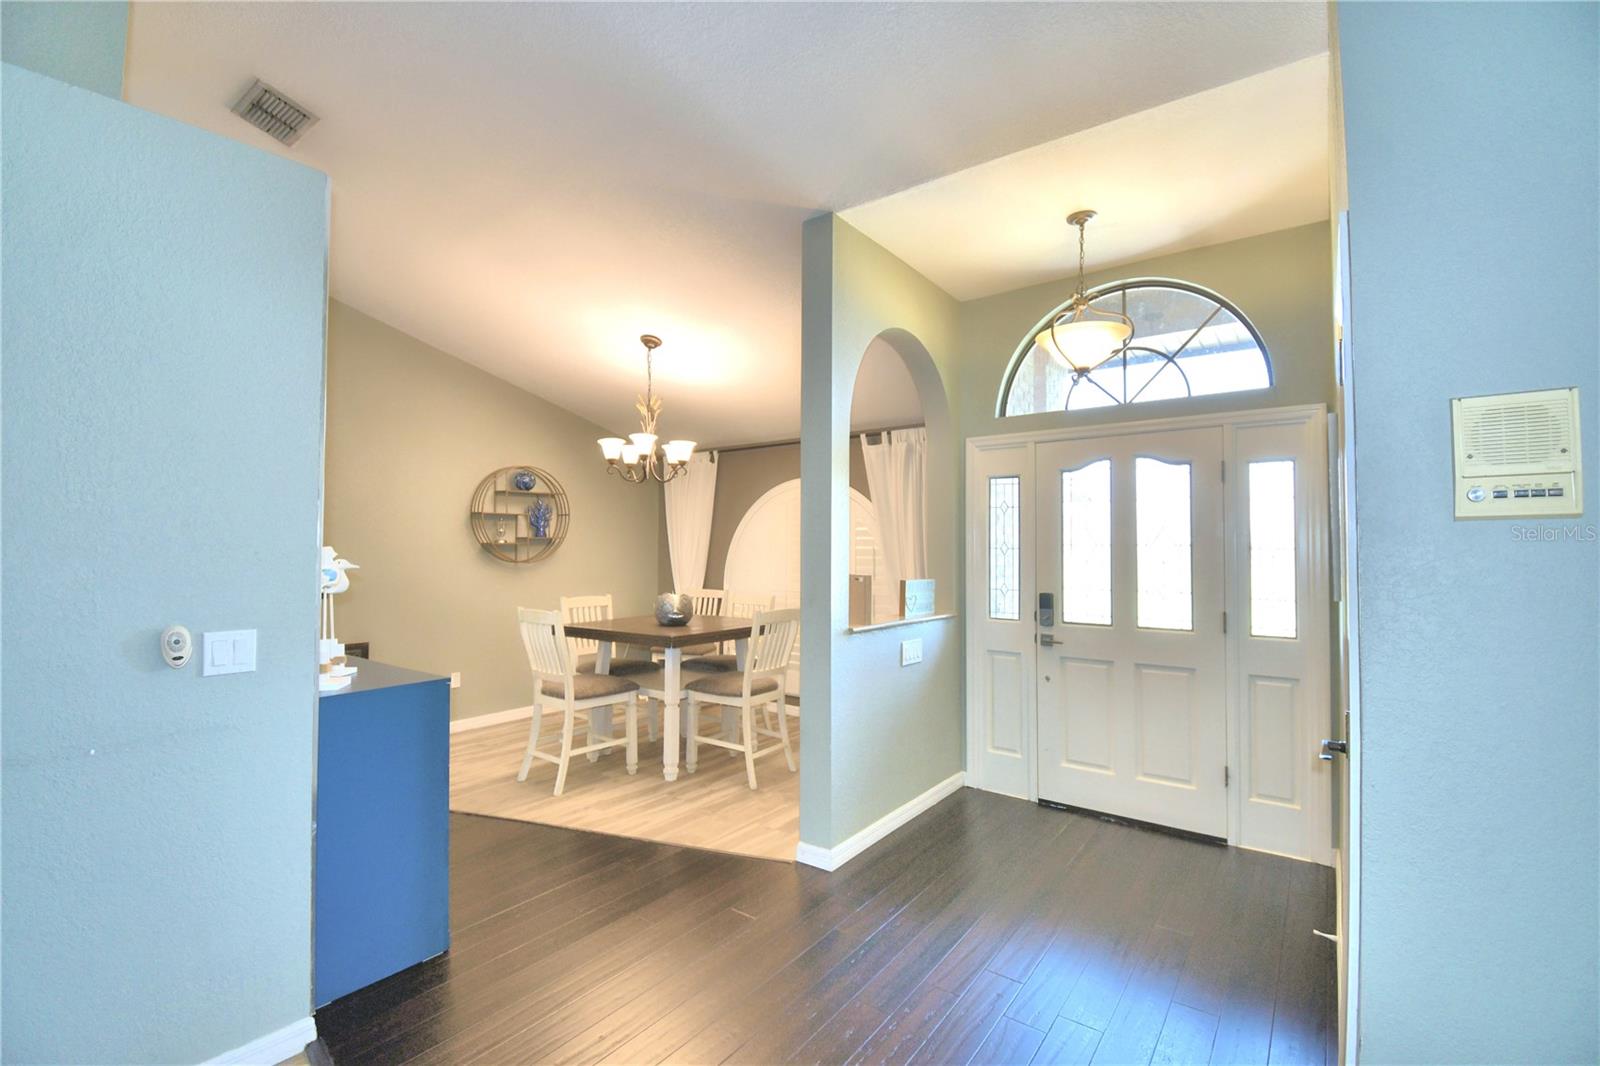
(82,42)
(162,337)
(1471,132)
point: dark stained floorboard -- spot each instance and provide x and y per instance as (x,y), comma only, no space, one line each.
(988,930)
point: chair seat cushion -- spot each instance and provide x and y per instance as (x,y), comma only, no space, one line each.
(590,686)
(719,663)
(731,685)
(700,649)
(619,667)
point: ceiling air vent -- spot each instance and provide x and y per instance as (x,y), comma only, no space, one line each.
(273,113)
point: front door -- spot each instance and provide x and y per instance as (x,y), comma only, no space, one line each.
(1132,692)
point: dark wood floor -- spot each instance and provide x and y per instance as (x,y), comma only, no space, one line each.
(988,930)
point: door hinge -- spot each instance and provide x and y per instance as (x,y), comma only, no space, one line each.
(1224,621)
(1227,777)
(1224,469)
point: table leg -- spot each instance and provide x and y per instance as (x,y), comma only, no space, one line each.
(670,715)
(601,718)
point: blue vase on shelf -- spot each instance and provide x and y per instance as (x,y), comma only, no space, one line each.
(523,481)
(539,519)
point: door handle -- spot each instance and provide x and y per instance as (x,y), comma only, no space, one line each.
(1333,747)
(1048,640)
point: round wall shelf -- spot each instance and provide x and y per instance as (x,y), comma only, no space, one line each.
(519,514)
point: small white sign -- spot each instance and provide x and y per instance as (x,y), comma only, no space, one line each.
(916,597)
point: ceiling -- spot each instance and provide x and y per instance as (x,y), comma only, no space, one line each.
(1245,158)
(531,186)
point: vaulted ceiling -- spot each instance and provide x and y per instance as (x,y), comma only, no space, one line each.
(531,186)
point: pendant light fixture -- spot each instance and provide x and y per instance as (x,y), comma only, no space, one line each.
(636,458)
(1082,336)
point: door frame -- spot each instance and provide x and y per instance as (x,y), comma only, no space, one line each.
(1019,449)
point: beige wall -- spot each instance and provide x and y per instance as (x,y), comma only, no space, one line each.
(411,431)
(743,477)
(1281,281)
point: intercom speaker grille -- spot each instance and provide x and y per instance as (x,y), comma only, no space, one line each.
(273,113)
(1532,433)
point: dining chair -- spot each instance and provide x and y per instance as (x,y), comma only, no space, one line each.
(772,638)
(723,659)
(557,682)
(625,660)
(706,602)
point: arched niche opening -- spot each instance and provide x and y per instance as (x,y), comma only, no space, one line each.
(900,449)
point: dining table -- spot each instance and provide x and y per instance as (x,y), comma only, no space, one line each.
(643,631)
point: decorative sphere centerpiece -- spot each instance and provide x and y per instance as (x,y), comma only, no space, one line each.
(673,610)
(523,480)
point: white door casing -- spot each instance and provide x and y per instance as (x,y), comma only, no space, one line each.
(1291,685)
(764,554)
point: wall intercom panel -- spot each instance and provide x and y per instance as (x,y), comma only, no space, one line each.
(1518,455)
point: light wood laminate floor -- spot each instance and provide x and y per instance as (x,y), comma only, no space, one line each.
(712,808)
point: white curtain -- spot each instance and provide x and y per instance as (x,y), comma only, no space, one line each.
(689,498)
(897,470)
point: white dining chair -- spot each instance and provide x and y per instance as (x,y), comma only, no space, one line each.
(722,659)
(625,660)
(772,638)
(706,602)
(557,682)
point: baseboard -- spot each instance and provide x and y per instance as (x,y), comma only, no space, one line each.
(479,721)
(273,1048)
(836,856)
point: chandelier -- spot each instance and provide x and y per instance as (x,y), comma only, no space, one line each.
(636,458)
(1082,336)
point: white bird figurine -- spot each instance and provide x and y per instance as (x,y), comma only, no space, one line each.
(333,579)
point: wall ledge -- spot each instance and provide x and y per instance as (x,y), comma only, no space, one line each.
(895,623)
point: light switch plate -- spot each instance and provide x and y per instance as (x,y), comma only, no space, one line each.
(910,651)
(455,679)
(228,651)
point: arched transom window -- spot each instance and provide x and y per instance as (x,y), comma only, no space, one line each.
(1186,341)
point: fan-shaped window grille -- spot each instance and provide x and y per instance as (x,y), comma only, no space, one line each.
(1186,342)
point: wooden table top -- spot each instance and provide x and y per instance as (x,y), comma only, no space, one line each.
(645,630)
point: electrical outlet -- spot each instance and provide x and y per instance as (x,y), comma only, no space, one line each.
(910,651)
(455,679)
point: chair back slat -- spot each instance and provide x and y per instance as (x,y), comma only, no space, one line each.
(772,638)
(737,606)
(544,638)
(706,601)
(576,610)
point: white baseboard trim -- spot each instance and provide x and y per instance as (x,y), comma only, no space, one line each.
(271,1049)
(835,857)
(479,721)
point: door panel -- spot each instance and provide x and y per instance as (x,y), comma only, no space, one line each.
(1132,713)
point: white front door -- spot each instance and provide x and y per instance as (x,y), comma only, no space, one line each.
(1132,668)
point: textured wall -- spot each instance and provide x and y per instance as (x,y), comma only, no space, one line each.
(1471,132)
(411,431)
(877,734)
(162,463)
(81,42)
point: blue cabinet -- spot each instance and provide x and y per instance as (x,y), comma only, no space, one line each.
(382,827)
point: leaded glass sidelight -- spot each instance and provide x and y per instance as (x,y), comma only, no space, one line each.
(1005,548)
(1272,549)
